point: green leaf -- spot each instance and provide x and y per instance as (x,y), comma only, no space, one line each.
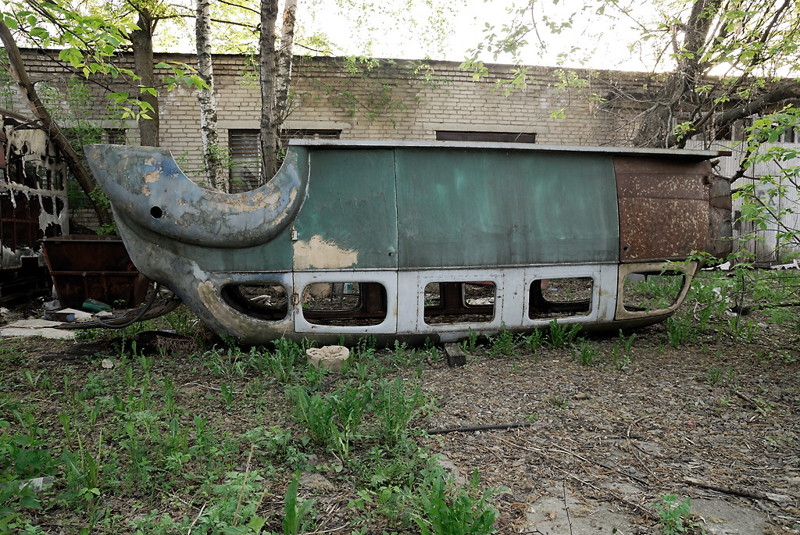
(40,33)
(119,97)
(29,502)
(72,56)
(257,524)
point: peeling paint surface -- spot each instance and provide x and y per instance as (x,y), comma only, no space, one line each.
(33,196)
(321,254)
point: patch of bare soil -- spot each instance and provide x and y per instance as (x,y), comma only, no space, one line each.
(716,422)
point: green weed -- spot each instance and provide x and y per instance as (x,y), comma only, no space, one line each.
(469,345)
(333,420)
(716,375)
(745,330)
(558,402)
(453,513)
(680,331)
(227,395)
(675,516)
(296,513)
(560,335)
(394,406)
(534,340)
(586,354)
(378,411)
(503,344)
(83,471)
(621,352)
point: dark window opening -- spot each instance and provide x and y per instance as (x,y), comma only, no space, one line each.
(115,136)
(459,302)
(344,303)
(646,291)
(497,137)
(561,298)
(266,301)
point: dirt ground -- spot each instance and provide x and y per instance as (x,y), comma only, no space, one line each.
(715,422)
(586,449)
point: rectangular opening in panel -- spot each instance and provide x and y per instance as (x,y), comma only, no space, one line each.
(266,300)
(459,302)
(561,298)
(646,291)
(344,303)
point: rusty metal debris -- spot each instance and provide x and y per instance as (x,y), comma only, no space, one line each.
(420,240)
(33,204)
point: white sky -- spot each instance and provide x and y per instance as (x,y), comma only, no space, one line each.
(600,47)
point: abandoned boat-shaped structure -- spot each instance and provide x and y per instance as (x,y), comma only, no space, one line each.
(422,240)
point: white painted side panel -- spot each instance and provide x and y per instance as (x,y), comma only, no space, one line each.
(387,278)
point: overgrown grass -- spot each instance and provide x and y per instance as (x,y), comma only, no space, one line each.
(213,441)
(207,445)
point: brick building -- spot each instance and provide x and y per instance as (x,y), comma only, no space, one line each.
(346,99)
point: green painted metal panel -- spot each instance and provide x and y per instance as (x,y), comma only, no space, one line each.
(472,207)
(349,219)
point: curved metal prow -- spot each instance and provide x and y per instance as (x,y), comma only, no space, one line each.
(145,185)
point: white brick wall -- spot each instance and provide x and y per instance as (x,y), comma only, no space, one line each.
(386,103)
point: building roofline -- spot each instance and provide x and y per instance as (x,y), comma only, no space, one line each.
(614,151)
(188,57)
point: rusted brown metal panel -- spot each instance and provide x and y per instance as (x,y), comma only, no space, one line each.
(663,208)
(96,267)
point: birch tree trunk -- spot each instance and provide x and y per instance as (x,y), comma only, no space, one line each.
(267,71)
(212,156)
(20,76)
(284,76)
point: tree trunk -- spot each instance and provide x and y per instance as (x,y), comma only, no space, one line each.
(142,42)
(658,122)
(212,156)
(269,130)
(28,90)
(284,75)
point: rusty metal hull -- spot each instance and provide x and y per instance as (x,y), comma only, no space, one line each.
(420,240)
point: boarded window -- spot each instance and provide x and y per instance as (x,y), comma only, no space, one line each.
(116,136)
(245,160)
(245,152)
(309,133)
(497,137)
